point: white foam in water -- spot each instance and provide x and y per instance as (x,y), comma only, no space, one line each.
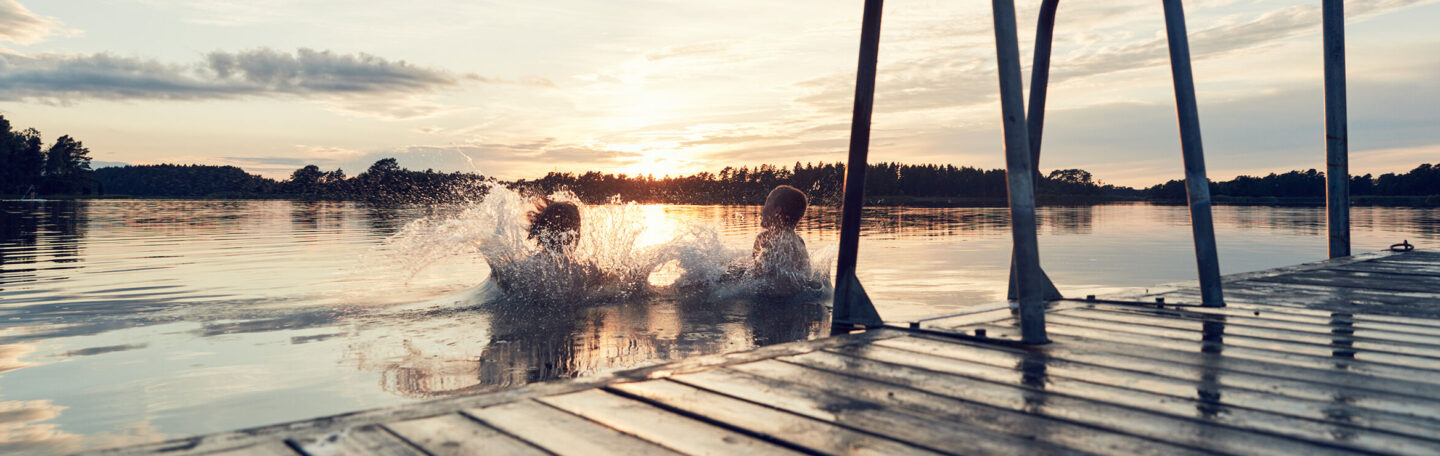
(617,256)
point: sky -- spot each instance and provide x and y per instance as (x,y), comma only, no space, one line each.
(519,89)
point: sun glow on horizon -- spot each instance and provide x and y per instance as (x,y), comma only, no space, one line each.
(658,165)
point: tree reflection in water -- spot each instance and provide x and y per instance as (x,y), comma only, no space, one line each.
(530,342)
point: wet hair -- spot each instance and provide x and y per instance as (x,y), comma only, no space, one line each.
(555,224)
(783,208)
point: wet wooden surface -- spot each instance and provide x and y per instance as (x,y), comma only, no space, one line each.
(1337,357)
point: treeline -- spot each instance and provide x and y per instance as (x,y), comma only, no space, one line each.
(181,180)
(384,181)
(28,167)
(1424,180)
(823,182)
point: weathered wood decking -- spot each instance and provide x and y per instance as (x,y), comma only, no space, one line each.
(1332,357)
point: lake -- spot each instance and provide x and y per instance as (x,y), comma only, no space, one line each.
(132,321)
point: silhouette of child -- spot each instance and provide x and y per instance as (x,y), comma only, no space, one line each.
(556,226)
(553,272)
(780,259)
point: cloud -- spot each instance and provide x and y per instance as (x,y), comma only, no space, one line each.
(1225,38)
(311,71)
(926,83)
(21,26)
(261,72)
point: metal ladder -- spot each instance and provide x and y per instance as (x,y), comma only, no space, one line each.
(1029,284)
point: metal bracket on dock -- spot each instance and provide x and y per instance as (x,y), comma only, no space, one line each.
(853,308)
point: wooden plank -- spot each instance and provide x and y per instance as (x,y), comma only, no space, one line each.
(368,439)
(1269,293)
(1402,263)
(266,448)
(560,432)
(1416,255)
(1115,429)
(1314,355)
(1319,321)
(1341,325)
(1401,268)
(1387,307)
(663,427)
(1246,276)
(1204,402)
(1361,280)
(812,434)
(1089,360)
(1417,347)
(987,315)
(456,434)
(332,424)
(936,421)
(1243,360)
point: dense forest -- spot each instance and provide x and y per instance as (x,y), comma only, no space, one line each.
(1424,180)
(27,166)
(888,182)
(385,181)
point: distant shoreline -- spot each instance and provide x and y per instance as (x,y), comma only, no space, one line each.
(881,201)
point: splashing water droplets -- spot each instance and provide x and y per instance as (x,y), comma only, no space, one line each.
(622,250)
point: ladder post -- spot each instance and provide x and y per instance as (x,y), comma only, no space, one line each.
(1019,175)
(1337,138)
(1197,186)
(1035,123)
(851,307)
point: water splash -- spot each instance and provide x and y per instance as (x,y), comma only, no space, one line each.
(619,254)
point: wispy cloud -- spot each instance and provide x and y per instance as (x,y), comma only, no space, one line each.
(1230,36)
(358,84)
(311,71)
(260,72)
(21,26)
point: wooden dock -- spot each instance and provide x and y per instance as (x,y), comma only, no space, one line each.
(1341,356)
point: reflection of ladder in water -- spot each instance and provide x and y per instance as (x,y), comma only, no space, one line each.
(1028,282)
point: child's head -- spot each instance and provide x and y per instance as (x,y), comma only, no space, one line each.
(555,225)
(783,208)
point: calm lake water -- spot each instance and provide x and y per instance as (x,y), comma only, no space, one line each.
(132,321)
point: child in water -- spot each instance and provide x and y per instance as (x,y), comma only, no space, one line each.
(780,261)
(553,271)
(555,226)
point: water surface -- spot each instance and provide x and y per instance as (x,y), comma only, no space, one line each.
(131,321)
